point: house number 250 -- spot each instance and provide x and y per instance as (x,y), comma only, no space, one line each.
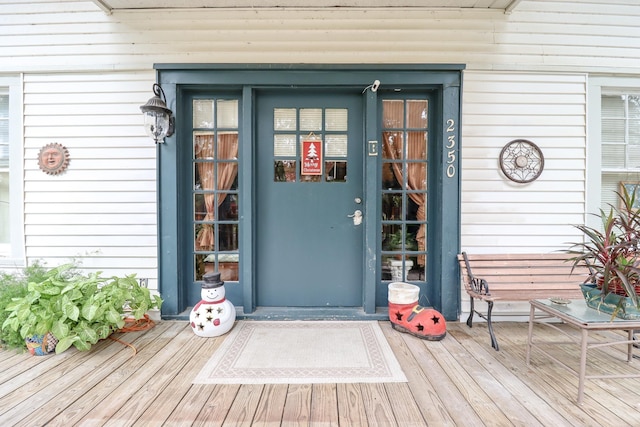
(451,148)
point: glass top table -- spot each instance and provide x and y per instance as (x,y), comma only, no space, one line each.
(577,314)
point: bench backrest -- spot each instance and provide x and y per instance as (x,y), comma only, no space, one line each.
(532,275)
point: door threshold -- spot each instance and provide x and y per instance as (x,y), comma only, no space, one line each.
(312,313)
(299,313)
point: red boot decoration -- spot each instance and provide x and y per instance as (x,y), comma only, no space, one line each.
(407,316)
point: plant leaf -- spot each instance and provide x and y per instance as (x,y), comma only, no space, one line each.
(65,343)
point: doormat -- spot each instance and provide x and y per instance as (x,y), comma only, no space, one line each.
(302,352)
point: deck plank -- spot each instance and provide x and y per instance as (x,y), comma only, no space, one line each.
(324,405)
(244,405)
(216,409)
(297,406)
(405,410)
(271,405)
(377,406)
(351,410)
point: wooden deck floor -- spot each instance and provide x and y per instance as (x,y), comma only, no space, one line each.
(458,381)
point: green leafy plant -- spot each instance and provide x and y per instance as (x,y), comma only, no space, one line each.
(78,310)
(14,285)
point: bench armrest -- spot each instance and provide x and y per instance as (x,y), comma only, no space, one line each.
(476,284)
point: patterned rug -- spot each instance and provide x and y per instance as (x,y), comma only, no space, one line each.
(302,352)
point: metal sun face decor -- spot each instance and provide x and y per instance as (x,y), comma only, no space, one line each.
(521,161)
(53,158)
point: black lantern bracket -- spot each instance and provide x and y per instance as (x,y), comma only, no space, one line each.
(159,121)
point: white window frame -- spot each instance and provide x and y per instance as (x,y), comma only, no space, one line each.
(597,86)
(16,255)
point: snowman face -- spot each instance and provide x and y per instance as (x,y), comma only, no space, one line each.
(212,294)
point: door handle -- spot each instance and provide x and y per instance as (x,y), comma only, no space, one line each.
(357,217)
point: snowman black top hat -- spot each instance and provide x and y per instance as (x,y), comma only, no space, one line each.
(212,280)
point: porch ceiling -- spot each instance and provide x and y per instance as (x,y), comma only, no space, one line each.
(110,6)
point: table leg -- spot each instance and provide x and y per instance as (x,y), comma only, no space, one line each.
(583,364)
(530,336)
(630,345)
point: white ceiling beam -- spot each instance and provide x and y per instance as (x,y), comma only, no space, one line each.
(105,7)
(511,6)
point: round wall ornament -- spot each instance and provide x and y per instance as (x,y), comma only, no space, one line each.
(53,158)
(521,161)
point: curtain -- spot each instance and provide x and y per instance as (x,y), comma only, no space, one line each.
(227,171)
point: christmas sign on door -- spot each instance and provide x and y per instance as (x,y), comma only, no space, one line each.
(311,157)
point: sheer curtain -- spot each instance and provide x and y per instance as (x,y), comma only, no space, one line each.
(227,171)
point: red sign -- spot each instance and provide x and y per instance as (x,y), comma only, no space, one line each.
(311,157)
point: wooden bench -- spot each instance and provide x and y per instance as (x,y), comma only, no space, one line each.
(518,277)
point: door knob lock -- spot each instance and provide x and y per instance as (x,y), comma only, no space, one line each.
(357,217)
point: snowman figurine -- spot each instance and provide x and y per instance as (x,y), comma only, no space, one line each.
(214,315)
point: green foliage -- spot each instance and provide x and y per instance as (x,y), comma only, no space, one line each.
(612,251)
(78,310)
(14,285)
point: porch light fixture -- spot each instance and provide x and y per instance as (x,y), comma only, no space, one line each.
(158,119)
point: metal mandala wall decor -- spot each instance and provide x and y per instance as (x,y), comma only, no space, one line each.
(521,161)
(53,158)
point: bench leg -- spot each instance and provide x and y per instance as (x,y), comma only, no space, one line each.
(494,341)
(470,318)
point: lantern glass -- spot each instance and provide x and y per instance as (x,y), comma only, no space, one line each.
(156,125)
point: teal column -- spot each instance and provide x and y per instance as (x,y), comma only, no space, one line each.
(371,203)
(449,207)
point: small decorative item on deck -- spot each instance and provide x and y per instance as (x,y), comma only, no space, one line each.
(407,316)
(214,315)
(41,345)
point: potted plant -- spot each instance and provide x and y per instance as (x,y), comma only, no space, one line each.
(77,310)
(612,254)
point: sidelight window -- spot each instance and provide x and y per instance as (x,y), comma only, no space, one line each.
(215,187)
(404,188)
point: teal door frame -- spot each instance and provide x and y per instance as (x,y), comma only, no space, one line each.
(444,225)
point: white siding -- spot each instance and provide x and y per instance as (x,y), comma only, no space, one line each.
(501,216)
(102,210)
(545,35)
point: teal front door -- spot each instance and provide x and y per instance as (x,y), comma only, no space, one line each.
(309,199)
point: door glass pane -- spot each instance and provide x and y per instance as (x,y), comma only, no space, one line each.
(227,113)
(284,119)
(284,171)
(336,119)
(392,145)
(392,114)
(336,145)
(227,146)
(336,171)
(417,114)
(311,119)
(284,145)
(203,113)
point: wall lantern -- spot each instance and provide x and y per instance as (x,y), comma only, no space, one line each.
(158,119)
